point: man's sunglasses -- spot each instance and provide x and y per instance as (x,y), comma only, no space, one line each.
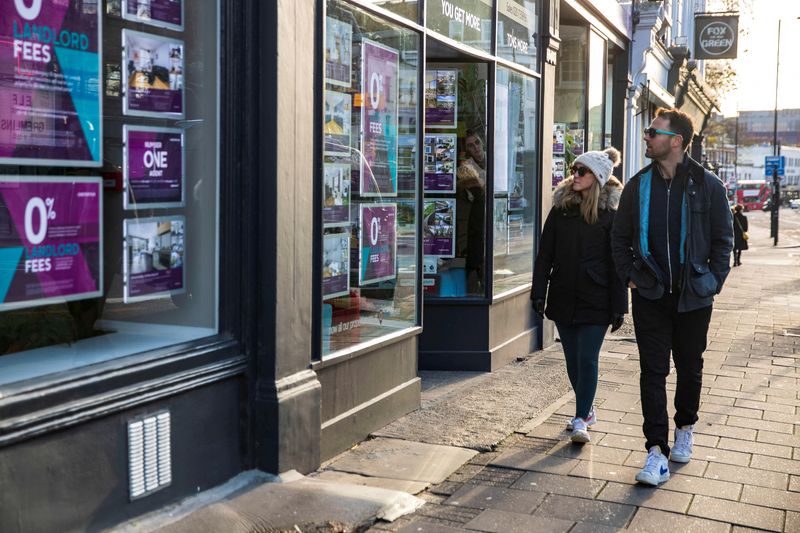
(652,132)
(580,171)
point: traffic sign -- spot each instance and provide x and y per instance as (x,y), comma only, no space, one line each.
(772,162)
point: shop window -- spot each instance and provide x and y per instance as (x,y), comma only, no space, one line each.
(517,32)
(569,108)
(595,96)
(368,179)
(466,21)
(108,180)
(405,8)
(515,179)
(454,180)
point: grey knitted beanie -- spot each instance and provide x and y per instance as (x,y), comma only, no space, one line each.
(600,163)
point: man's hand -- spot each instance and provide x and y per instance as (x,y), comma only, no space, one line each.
(538,306)
(616,322)
(632,285)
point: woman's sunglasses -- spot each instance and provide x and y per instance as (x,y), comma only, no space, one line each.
(580,171)
(652,132)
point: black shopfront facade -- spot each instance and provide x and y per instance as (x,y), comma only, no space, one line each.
(351,204)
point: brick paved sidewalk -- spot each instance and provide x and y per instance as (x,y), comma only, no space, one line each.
(745,472)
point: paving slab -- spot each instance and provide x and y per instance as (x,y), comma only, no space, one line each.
(777,499)
(653,520)
(737,513)
(402,459)
(411,487)
(500,498)
(494,521)
(662,499)
(748,476)
(558,484)
(526,460)
(568,508)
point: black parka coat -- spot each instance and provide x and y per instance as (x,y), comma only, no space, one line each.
(739,227)
(574,268)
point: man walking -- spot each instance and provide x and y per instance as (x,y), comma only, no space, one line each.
(671,243)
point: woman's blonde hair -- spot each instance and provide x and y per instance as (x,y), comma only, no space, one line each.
(590,202)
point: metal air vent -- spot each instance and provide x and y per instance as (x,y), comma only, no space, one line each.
(149,454)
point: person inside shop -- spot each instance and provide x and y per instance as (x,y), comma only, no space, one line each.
(574,271)
(470,218)
(476,155)
(672,242)
(740,235)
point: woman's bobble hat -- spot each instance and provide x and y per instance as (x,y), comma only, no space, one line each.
(600,163)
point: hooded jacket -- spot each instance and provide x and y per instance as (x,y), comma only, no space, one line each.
(574,267)
(706,238)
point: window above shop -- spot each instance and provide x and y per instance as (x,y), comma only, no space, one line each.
(517,31)
(466,21)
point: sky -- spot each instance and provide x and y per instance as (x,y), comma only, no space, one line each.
(755,63)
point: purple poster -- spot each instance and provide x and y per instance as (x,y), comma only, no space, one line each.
(336,195)
(153,167)
(441,98)
(336,265)
(51,242)
(378,241)
(438,228)
(440,163)
(378,120)
(154,257)
(152,68)
(50,97)
(163,13)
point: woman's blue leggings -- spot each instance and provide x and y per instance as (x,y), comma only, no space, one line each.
(581,345)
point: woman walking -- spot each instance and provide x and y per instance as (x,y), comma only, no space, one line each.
(575,272)
(739,234)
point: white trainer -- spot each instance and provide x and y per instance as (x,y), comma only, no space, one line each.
(656,468)
(682,449)
(580,431)
(590,420)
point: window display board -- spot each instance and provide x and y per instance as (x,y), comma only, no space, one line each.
(336,195)
(152,75)
(378,241)
(338,109)
(50,84)
(439,228)
(51,240)
(338,52)
(335,265)
(440,164)
(441,98)
(379,125)
(153,167)
(155,250)
(162,13)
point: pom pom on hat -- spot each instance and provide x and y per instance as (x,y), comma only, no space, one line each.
(600,163)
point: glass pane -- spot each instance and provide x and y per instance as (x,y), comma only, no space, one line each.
(368,179)
(609,101)
(597,82)
(517,27)
(515,179)
(455,179)
(466,21)
(108,214)
(570,101)
(405,8)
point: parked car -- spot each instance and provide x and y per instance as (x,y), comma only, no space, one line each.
(795,204)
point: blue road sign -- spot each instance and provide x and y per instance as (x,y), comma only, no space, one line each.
(772,162)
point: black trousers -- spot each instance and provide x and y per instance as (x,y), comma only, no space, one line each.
(661,329)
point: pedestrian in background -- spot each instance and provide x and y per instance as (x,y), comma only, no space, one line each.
(740,235)
(672,241)
(574,271)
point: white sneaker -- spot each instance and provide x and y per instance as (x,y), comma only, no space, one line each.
(580,431)
(656,468)
(590,420)
(682,449)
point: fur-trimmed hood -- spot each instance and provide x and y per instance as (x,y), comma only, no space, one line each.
(564,196)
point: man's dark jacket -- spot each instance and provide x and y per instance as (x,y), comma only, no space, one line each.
(707,231)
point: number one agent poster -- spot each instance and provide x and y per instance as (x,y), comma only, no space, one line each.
(50,240)
(379,120)
(50,100)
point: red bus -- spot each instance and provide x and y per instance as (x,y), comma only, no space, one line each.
(752,193)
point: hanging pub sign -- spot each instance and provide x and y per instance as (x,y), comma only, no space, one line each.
(716,36)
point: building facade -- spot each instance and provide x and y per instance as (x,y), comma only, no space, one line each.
(229,241)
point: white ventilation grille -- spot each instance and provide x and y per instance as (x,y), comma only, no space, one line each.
(149,454)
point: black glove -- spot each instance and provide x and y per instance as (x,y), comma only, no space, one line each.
(538,306)
(616,321)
